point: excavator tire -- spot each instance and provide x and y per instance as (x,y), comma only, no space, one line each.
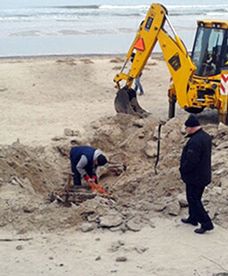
(126,102)
(194,110)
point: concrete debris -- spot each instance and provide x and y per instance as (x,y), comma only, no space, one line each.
(182,200)
(109,221)
(151,149)
(87,227)
(134,225)
(173,208)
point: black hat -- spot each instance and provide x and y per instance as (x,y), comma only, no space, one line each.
(192,121)
(101,160)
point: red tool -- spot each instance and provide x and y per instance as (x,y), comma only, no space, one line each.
(95,187)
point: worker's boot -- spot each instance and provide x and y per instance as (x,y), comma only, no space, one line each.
(204,228)
(189,221)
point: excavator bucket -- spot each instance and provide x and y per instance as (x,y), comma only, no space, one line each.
(126,102)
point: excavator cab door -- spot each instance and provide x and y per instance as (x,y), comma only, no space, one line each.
(210,51)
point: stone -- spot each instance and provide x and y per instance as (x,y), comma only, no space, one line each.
(58,138)
(141,135)
(14,180)
(173,208)
(19,247)
(224,182)
(77,140)
(92,218)
(116,245)
(139,123)
(29,208)
(220,171)
(116,229)
(216,191)
(110,221)
(87,227)
(68,132)
(141,250)
(222,146)
(182,200)
(159,207)
(222,128)
(151,149)
(134,225)
(212,212)
(121,259)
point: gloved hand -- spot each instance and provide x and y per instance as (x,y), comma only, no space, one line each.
(89,180)
(86,177)
(94,177)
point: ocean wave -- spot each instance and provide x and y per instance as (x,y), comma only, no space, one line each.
(77,7)
(201,10)
(72,13)
(124,7)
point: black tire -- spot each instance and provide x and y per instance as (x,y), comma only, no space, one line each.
(194,110)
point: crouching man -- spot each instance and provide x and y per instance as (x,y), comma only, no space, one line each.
(84,162)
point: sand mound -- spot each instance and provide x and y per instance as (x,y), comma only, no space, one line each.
(28,175)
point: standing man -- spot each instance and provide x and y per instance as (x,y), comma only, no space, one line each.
(195,170)
(84,162)
(138,85)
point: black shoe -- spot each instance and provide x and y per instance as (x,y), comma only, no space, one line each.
(202,230)
(189,221)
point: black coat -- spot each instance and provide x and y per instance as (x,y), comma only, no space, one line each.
(195,165)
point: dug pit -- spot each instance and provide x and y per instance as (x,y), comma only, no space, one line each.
(29,174)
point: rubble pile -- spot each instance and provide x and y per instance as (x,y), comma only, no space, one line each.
(28,175)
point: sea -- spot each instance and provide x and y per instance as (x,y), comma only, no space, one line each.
(69,27)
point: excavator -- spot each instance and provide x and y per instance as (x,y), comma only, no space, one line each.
(198,80)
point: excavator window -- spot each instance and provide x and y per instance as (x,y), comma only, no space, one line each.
(209,51)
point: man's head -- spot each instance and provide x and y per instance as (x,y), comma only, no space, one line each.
(101,160)
(192,124)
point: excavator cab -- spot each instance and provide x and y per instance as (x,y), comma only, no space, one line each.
(210,50)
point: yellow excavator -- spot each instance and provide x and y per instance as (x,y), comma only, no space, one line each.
(198,81)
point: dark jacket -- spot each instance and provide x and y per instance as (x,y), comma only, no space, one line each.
(77,152)
(195,165)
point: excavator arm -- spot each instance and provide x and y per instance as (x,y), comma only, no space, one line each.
(181,68)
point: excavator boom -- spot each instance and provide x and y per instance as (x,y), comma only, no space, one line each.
(194,84)
(175,54)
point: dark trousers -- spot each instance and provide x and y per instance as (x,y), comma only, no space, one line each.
(197,213)
(77,177)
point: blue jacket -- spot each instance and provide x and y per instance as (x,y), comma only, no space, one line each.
(75,156)
(195,165)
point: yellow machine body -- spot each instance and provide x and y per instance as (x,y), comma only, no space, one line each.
(196,79)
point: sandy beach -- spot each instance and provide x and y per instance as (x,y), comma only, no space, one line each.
(41,99)
(46,95)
